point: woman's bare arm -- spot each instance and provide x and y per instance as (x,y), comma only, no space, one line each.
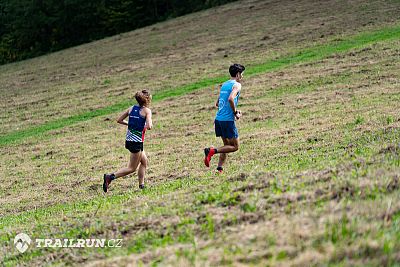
(121,118)
(149,122)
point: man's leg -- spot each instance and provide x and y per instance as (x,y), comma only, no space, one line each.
(232,146)
(227,130)
(222,156)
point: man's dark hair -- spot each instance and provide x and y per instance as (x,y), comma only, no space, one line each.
(235,69)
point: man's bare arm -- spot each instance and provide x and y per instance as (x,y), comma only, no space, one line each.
(235,90)
(219,89)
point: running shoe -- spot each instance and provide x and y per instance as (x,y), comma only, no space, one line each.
(106,182)
(208,152)
(219,170)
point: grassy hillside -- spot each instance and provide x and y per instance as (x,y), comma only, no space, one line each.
(316,179)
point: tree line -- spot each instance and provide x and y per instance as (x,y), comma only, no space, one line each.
(30,28)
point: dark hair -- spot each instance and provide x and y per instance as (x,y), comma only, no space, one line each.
(143,98)
(235,69)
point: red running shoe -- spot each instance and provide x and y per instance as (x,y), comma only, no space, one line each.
(208,152)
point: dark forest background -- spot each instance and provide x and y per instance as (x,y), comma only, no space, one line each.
(30,28)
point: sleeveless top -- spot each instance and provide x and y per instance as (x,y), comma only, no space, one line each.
(136,125)
(225,112)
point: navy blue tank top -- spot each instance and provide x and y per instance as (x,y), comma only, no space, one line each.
(136,125)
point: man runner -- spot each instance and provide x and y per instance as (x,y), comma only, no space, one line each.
(225,119)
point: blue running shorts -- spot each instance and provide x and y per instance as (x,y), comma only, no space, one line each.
(226,129)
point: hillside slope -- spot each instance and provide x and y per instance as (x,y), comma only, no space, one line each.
(175,53)
(315,180)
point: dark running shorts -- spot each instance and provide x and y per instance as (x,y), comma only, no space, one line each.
(226,129)
(134,147)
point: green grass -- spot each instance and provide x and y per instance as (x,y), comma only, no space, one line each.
(307,55)
(96,203)
(221,195)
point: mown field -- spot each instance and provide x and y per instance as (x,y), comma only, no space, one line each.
(316,179)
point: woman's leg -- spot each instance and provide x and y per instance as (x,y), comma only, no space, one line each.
(132,165)
(142,168)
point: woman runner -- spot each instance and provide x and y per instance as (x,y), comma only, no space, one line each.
(138,122)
